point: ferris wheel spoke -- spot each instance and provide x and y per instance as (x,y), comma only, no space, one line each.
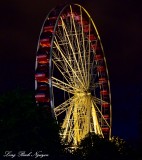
(81,123)
(72,121)
(63,86)
(65,72)
(63,68)
(98,100)
(67,124)
(79,45)
(72,46)
(68,116)
(63,107)
(71,136)
(94,104)
(96,125)
(75,122)
(89,57)
(83,42)
(94,86)
(79,120)
(74,72)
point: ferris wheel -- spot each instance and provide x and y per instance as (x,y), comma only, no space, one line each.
(71,75)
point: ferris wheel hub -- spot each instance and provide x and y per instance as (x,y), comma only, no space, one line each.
(81,94)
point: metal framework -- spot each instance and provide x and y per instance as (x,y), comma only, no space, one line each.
(71,74)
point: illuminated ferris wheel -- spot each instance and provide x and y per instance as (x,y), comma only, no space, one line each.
(71,76)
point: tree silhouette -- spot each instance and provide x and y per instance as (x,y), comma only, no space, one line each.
(95,147)
(25,127)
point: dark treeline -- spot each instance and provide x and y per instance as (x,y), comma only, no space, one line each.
(25,127)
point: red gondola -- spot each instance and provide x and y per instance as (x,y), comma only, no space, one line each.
(59,23)
(45,42)
(53,18)
(43,59)
(105,104)
(83,22)
(106,116)
(48,29)
(102,80)
(41,77)
(98,57)
(86,28)
(43,87)
(77,17)
(99,49)
(93,46)
(104,92)
(100,68)
(69,14)
(105,129)
(42,67)
(91,37)
(41,97)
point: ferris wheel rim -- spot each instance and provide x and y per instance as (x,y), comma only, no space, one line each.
(51,49)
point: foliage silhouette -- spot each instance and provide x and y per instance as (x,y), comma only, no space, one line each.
(95,147)
(25,127)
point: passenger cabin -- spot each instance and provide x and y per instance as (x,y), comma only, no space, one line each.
(59,23)
(48,29)
(41,77)
(100,69)
(42,59)
(43,51)
(83,22)
(105,129)
(63,16)
(69,14)
(43,87)
(102,80)
(53,18)
(98,57)
(86,28)
(41,97)
(93,46)
(45,42)
(91,37)
(98,49)
(42,67)
(106,116)
(77,17)
(104,92)
(105,105)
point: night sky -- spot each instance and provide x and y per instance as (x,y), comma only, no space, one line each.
(120,27)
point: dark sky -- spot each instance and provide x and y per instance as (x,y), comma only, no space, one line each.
(120,27)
